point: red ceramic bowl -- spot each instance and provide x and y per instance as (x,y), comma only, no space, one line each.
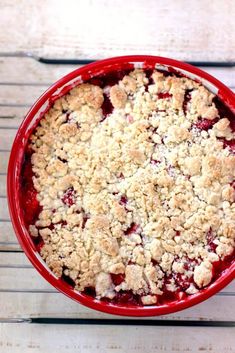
(13,185)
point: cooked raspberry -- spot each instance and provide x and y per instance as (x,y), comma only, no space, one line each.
(127,298)
(123,200)
(117,278)
(106,107)
(210,237)
(182,281)
(154,161)
(187,98)
(84,220)
(132,229)
(205,124)
(229,144)
(69,197)
(164,95)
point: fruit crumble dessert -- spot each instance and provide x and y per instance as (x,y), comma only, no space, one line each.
(127,187)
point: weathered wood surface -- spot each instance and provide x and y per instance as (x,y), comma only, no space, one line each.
(33,338)
(196,31)
(187,30)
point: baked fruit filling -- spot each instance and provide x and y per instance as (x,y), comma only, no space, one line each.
(128,184)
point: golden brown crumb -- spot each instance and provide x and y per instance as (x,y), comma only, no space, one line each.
(118,97)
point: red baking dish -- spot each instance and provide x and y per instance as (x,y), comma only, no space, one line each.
(16,159)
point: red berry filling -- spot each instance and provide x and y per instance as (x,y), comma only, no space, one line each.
(127,298)
(29,202)
(182,281)
(132,229)
(69,197)
(148,73)
(210,241)
(107,107)
(109,79)
(123,200)
(164,95)
(154,161)
(229,144)
(38,242)
(222,265)
(85,219)
(225,112)
(205,124)
(117,278)
(187,98)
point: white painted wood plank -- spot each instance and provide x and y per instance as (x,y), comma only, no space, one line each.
(12,116)
(9,246)
(9,259)
(4,213)
(26,95)
(31,72)
(11,122)
(108,28)
(57,305)
(8,239)
(6,139)
(51,304)
(18,95)
(13,111)
(34,338)
(25,277)
(20,260)
(2,185)
(4,157)
(25,305)
(225,75)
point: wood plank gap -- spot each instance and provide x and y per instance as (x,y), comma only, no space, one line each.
(15,105)
(23,290)
(225,294)
(11,250)
(26,83)
(8,127)
(120,322)
(14,321)
(73,61)
(133,322)
(15,266)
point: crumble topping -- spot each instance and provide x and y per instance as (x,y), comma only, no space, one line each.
(145,193)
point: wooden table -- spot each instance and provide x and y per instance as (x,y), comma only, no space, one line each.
(32,312)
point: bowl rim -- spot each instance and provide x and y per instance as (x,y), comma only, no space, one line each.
(14,167)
